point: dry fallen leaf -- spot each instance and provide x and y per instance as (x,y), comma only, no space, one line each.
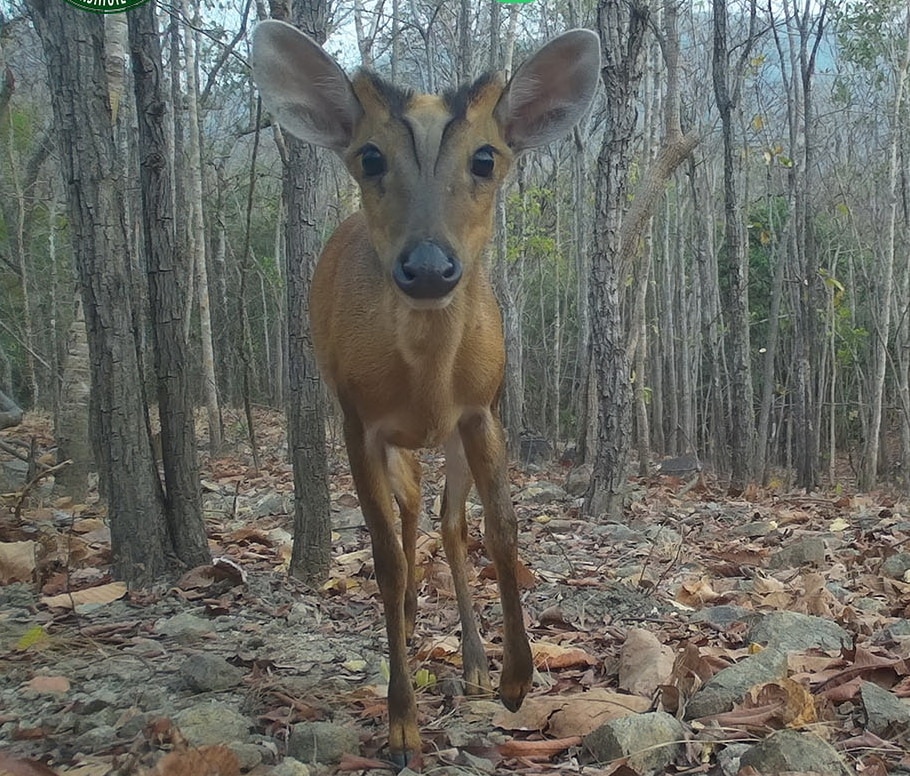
(89,768)
(644,663)
(697,593)
(551,657)
(204,761)
(570,715)
(538,750)
(13,766)
(17,561)
(784,703)
(102,594)
(587,711)
(447,649)
(57,685)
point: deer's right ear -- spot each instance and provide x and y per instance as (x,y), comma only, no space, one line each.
(303,87)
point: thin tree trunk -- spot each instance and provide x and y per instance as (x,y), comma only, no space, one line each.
(71,428)
(736,269)
(868,473)
(762,462)
(622,29)
(209,383)
(311,553)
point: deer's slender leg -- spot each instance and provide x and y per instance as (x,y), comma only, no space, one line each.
(404,472)
(455,542)
(369,469)
(484,444)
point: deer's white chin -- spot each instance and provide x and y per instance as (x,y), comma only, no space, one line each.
(428,304)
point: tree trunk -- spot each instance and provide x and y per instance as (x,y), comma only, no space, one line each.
(882,311)
(73,43)
(169,285)
(71,428)
(622,28)
(311,553)
(736,270)
(197,239)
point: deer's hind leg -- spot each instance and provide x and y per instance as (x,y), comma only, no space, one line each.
(485,450)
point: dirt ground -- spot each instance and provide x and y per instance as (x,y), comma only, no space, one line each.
(239,662)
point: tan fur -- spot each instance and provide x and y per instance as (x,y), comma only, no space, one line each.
(408,377)
(423,368)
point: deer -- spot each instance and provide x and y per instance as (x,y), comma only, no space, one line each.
(405,326)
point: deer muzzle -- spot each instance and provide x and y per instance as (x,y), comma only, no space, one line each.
(426,271)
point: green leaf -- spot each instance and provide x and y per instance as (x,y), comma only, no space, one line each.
(425,678)
(33,637)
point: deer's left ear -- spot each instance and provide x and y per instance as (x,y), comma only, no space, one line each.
(551,91)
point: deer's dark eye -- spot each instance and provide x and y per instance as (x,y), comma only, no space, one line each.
(372,162)
(482,163)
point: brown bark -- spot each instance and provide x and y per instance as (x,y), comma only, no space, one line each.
(168,281)
(311,553)
(73,43)
(622,28)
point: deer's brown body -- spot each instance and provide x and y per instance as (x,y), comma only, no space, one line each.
(406,329)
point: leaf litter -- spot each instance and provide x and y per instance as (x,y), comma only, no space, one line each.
(624,619)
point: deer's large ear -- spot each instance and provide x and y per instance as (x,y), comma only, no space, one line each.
(303,87)
(551,91)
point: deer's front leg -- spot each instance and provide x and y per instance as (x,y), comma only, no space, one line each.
(369,469)
(484,445)
(455,541)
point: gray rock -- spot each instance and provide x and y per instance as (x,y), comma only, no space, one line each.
(272,504)
(534,450)
(897,565)
(347,518)
(886,715)
(728,757)
(290,767)
(665,539)
(98,700)
(616,532)
(84,723)
(579,479)
(209,673)
(96,739)
(870,605)
(788,750)
(650,741)
(322,742)
(897,630)
(729,685)
(184,627)
(13,474)
(18,595)
(475,764)
(723,616)
(808,551)
(793,632)
(753,530)
(213,723)
(541,493)
(136,724)
(248,755)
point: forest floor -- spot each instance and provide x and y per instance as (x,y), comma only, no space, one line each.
(704,634)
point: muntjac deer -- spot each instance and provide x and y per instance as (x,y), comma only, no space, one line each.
(405,326)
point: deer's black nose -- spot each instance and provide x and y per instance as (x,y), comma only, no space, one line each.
(426,271)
